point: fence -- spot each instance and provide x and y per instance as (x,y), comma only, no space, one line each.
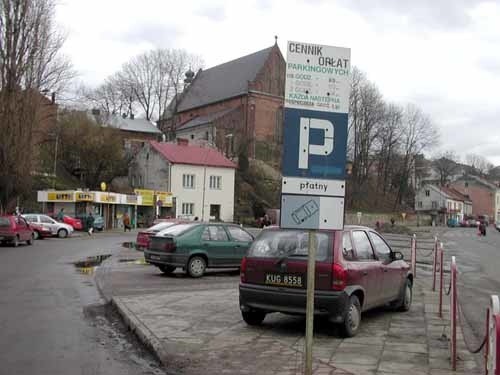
(492,336)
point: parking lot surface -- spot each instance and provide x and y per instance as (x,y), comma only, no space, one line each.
(194,326)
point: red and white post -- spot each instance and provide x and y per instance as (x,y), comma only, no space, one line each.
(493,356)
(434,265)
(441,279)
(414,255)
(453,313)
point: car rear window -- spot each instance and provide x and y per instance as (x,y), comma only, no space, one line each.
(160,226)
(4,222)
(290,243)
(176,230)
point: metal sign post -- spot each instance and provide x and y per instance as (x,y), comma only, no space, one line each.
(311,268)
(317,89)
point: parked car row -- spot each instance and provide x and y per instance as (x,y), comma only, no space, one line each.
(356,269)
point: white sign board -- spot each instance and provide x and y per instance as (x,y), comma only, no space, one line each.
(311,186)
(317,77)
(311,212)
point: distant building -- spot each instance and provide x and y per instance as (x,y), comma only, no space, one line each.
(200,179)
(442,203)
(236,105)
(134,131)
(485,196)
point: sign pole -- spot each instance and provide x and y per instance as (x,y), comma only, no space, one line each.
(311,265)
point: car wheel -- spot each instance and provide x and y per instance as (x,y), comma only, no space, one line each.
(62,233)
(352,318)
(15,241)
(32,239)
(196,266)
(36,235)
(404,303)
(253,317)
(167,269)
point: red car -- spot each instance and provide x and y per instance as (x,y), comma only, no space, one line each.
(355,271)
(14,229)
(75,223)
(39,231)
(144,237)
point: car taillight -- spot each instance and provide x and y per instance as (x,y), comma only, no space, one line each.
(243,270)
(170,246)
(339,275)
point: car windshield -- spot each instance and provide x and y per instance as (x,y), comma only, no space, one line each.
(176,230)
(4,222)
(160,226)
(289,243)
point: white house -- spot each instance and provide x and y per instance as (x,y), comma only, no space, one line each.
(442,203)
(201,179)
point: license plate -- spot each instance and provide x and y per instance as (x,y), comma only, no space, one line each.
(280,279)
(154,257)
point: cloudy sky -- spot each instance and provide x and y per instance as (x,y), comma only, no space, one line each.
(442,55)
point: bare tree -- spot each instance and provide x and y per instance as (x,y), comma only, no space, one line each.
(446,164)
(30,61)
(418,134)
(478,163)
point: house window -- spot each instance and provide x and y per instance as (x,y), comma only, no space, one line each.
(419,204)
(427,193)
(215,182)
(188,181)
(187,208)
(278,126)
(434,204)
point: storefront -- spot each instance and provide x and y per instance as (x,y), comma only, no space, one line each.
(154,204)
(111,206)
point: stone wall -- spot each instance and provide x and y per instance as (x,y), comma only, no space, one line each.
(369,219)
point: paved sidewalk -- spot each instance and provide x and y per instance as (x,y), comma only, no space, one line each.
(201,331)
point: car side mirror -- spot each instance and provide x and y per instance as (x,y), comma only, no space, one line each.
(397,255)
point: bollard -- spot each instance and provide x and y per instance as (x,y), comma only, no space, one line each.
(492,367)
(487,345)
(414,255)
(453,314)
(441,262)
(434,264)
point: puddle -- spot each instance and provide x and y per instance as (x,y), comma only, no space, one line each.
(89,265)
(141,261)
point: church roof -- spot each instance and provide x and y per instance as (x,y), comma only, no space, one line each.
(223,81)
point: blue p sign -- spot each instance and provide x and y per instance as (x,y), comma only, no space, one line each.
(314,144)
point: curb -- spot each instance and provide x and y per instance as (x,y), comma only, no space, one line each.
(139,329)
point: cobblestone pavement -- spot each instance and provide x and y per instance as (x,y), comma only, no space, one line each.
(201,331)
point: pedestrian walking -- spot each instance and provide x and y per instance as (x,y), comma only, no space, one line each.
(60,215)
(126,222)
(90,223)
(392,222)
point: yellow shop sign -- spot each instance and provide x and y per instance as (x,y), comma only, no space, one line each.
(84,197)
(60,196)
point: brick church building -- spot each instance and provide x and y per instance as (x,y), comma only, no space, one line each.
(236,106)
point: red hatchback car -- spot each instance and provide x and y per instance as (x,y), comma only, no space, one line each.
(144,236)
(75,223)
(14,229)
(356,270)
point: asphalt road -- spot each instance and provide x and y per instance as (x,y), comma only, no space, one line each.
(478,262)
(52,318)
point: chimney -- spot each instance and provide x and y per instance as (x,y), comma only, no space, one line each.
(182,142)
(96,111)
(53,98)
(124,115)
(131,116)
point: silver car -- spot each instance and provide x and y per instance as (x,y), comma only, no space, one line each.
(61,230)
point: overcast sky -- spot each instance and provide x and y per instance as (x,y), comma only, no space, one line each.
(442,55)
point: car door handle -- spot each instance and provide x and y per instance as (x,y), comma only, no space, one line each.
(237,246)
(385,269)
(365,273)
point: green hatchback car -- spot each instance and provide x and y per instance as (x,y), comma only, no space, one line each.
(197,246)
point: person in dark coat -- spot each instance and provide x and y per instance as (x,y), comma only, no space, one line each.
(90,223)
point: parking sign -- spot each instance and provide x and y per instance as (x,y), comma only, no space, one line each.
(315,135)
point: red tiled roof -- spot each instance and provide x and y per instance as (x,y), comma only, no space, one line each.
(194,155)
(455,194)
